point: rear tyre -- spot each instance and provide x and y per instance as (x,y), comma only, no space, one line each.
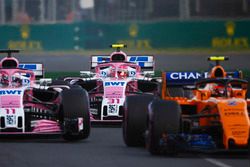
(75,106)
(135,118)
(164,119)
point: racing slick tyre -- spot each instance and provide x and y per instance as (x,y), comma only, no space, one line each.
(164,121)
(135,118)
(75,106)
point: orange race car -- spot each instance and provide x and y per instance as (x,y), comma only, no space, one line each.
(211,114)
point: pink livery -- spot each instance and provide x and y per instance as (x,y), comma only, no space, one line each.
(31,108)
(112,78)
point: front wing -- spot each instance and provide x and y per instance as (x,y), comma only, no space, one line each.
(202,143)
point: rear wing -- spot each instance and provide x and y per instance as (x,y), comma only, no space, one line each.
(37,68)
(189,78)
(146,62)
(174,83)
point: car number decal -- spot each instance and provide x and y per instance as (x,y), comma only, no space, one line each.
(114,101)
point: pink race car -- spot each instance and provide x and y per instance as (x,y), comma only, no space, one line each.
(28,108)
(112,78)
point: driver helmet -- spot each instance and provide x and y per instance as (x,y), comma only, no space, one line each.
(122,73)
(219,90)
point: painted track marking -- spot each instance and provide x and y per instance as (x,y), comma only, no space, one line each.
(216,162)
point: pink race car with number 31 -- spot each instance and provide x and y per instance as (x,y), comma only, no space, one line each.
(112,78)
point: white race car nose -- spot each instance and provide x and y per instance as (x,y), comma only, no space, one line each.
(11,118)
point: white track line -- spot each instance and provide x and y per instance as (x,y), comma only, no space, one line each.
(216,162)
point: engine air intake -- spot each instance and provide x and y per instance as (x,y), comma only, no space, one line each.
(9,63)
(118,57)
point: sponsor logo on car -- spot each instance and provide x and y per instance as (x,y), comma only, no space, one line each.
(28,66)
(10,92)
(234,113)
(232,103)
(140,60)
(114,83)
(186,75)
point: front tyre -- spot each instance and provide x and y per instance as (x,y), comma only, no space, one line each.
(135,118)
(76,117)
(164,120)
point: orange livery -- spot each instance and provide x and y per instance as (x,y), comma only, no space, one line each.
(210,113)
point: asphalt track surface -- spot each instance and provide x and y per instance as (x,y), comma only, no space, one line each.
(169,62)
(105,148)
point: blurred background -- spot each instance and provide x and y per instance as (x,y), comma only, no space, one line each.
(59,11)
(56,25)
